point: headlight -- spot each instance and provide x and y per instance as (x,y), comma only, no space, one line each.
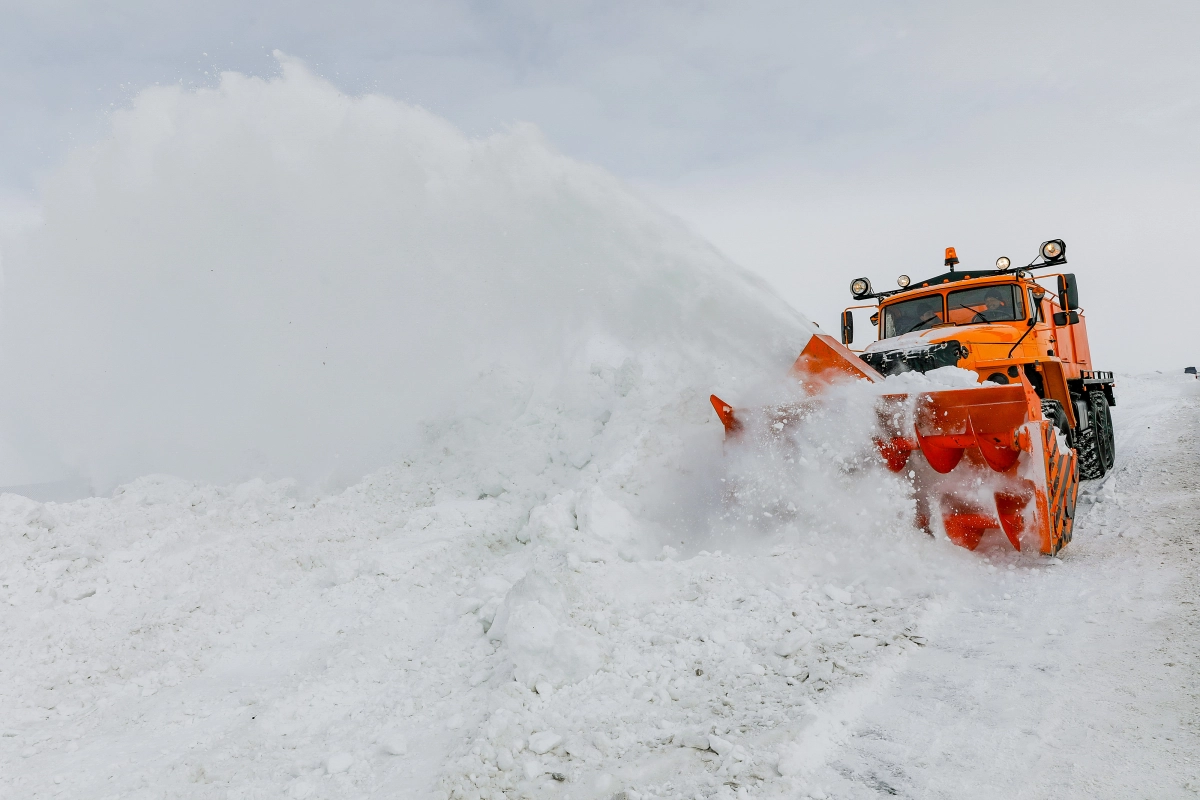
(1002,263)
(903,281)
(1053,249)
(860,287)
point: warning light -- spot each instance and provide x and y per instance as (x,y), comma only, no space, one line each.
(951,257)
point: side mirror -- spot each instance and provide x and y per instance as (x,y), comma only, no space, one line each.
(847,327)
(1065,318)
(1068,292)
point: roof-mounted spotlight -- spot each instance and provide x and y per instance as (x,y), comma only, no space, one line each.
(903,281)
(860,288)
(1003,263)
(951,258)
(1054,250)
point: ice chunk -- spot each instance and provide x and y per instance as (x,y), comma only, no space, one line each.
(794,670)
(718,745)
(822,671)
(533,625)
(694,739)
(544,741)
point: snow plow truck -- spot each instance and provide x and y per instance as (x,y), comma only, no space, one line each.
(1036,424)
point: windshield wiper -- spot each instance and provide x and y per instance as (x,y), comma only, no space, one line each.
(923,323)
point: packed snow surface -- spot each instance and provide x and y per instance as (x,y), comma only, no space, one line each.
(565,585)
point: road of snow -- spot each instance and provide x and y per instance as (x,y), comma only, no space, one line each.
(458,628)
(1071,679)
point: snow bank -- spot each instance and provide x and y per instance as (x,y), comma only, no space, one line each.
(512,611)
(562,581)
(273,278)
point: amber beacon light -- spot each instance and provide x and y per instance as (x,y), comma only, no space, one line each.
(951,257)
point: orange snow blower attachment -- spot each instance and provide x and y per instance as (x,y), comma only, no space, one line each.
(981,436)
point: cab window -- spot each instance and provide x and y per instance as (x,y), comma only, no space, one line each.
(912,315)
(986,304)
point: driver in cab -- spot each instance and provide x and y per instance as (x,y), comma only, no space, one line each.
(992,307)
(995,307)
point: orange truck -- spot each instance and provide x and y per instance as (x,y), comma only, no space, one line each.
(1037,423)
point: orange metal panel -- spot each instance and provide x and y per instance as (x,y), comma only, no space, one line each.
(826,360)
(1055,383)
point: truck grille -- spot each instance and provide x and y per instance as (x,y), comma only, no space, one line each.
(923,359)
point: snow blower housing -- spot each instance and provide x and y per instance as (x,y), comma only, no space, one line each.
(1040,418)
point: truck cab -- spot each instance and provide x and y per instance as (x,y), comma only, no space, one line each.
(1006,327)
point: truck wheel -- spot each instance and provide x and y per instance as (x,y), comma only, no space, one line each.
(1108,444)
(1053,411)
(1094,446)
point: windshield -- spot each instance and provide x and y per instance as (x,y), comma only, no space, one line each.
(911,315)
(986,304)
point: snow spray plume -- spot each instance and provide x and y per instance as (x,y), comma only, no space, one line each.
(270,277)
(805,474)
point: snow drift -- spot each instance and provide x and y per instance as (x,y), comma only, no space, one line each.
(557,584)
(272,278)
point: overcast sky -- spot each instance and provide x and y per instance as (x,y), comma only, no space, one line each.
(812,142)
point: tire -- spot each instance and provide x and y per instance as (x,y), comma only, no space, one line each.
(1053,411)
(1095,446)
(1108,443)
